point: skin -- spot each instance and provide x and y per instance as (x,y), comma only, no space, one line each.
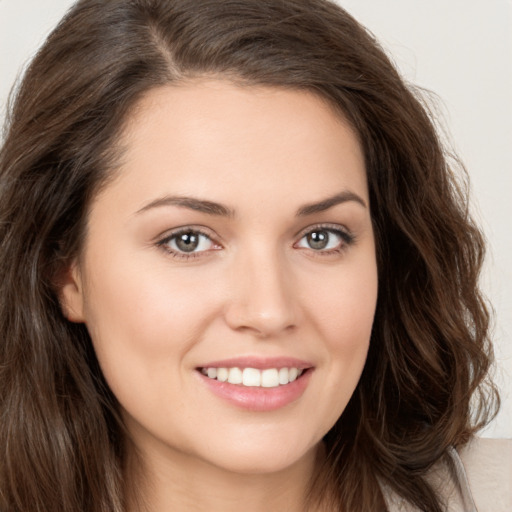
(254,287)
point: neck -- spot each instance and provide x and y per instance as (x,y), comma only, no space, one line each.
(181,483)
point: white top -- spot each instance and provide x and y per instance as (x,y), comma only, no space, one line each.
(481,480)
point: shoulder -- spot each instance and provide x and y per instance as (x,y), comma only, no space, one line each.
(479,478)
(488,466)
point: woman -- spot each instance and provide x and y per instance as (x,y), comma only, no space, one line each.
(237,270)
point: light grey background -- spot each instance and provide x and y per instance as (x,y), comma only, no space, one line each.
(461,50)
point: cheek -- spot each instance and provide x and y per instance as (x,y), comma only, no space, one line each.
(141,296)
(343,308)
(143,323)
(144,319)
(343,313)
(346,324)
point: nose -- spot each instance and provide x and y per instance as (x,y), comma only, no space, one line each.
(263,299)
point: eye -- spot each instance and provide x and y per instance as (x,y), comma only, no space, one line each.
(323,239)
(187,242)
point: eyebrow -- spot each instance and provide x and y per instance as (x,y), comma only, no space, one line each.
(326,204)
(191,203)
(212,208)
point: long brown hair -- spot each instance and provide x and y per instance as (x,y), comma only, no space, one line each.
(61,440)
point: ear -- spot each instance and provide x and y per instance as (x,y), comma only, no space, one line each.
(71,294)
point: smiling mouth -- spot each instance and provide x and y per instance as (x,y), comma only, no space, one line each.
(253,377)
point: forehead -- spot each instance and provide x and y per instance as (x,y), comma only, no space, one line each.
(213,138)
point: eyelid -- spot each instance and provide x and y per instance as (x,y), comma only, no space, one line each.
(162,240)
(203,230)
(347,236)
(337,228)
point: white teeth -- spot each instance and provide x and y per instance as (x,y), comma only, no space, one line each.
(270,378)
(252,377)
(222,374)
(235,376)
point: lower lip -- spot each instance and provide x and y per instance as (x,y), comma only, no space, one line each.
(258,398)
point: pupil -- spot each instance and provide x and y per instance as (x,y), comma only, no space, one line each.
(187,242)
(318,239)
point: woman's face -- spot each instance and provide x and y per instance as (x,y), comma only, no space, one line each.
(235,244)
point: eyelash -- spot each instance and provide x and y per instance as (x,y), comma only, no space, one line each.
(182,231)
(347,239)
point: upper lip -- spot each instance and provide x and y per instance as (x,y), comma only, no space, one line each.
(259,363)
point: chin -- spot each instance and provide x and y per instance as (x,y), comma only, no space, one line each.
(260,459)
